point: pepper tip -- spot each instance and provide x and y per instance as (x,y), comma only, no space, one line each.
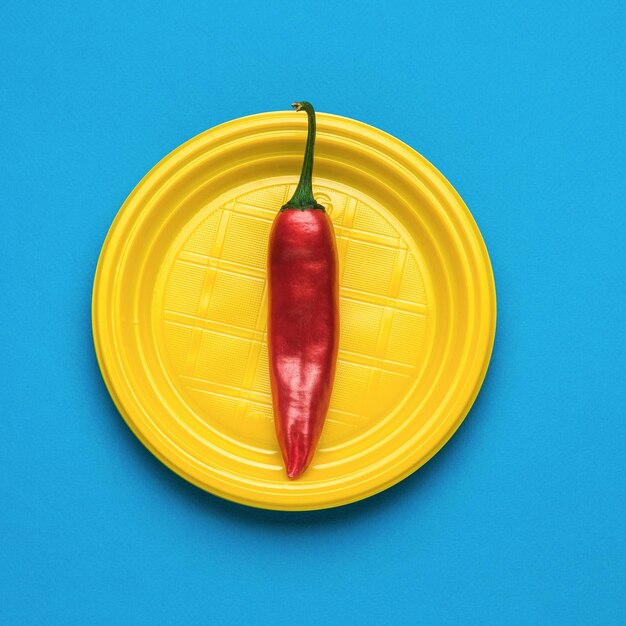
(295,468)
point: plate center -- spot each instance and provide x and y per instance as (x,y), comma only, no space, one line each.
(214,301)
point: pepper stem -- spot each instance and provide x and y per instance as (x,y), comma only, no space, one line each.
(303,196)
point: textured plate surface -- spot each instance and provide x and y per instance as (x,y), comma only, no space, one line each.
(179,309)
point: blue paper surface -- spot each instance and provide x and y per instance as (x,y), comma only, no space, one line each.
(520,518)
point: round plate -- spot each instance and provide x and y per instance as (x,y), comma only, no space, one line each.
(179,309)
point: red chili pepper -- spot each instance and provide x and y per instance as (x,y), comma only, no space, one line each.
(303,320)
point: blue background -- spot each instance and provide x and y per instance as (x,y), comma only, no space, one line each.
(520,519)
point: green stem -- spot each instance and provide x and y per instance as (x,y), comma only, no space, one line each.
(303,196)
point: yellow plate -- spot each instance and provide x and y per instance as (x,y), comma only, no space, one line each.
(179,309)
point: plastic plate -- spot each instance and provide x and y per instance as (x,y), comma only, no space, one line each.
(179,309)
